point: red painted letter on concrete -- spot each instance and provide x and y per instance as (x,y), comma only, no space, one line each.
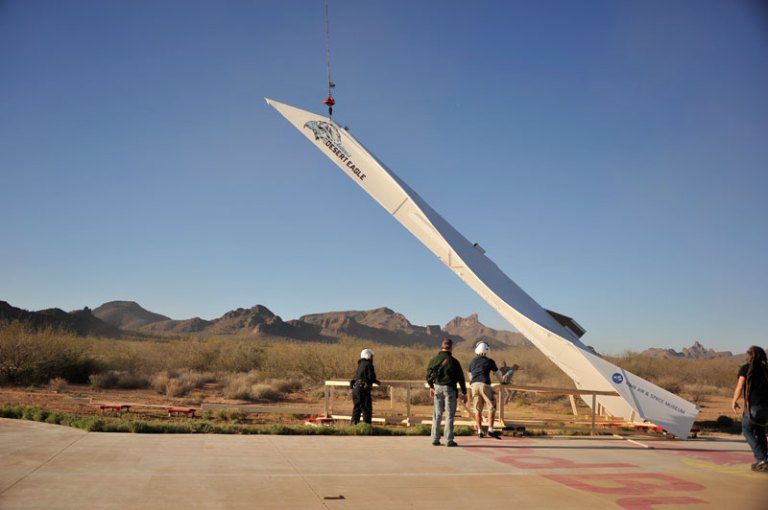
(636,484)
(649,503)
(545,462)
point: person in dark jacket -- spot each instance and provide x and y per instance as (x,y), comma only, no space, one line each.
(361,384)
(444,373)
(752,386)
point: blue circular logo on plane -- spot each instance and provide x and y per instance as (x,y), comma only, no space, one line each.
(618,378)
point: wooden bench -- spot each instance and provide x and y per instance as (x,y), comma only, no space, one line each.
(120,408)
(178,411)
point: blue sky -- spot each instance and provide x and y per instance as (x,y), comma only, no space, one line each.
(609,156)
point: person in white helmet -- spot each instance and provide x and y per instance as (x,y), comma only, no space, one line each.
(361,384)
(480,369)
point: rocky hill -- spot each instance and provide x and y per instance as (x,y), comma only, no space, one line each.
(472,329)
(260,321)
(380,325)
(696,351)
(79,322)
(257,321)
(127,315)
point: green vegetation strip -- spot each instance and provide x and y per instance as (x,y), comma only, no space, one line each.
(723,424)
(123,424)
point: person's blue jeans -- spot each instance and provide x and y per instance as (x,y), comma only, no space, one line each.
(755,436)
(445,401)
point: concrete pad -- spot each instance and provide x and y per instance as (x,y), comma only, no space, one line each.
(47,466)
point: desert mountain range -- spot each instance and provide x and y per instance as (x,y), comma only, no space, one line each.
(381,325)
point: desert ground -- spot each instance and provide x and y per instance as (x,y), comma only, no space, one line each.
(294,408)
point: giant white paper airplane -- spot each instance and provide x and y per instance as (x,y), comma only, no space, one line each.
(555,335)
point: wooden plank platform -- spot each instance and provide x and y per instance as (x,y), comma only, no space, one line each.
(266,409)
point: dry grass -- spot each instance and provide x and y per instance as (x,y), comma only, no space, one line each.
(692,379)
(30,356)
(58,384)
(178,384)
(256,387)
(254,369)
(116,379)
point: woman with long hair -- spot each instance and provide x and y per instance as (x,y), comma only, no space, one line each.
(752,386)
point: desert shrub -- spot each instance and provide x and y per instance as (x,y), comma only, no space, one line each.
(315,392)
(93,424)
(229,414)
(57,384)
(648,368)
(262,391)
(197,379)
(699,392)
(278,429)
(223,355)
(678,374)
(463,430)
(54,418)
(77,371)
(239,356)
(535,368)
(238,386)
(285,385)
(30,356)
(36,357)
(296,362)
(144,356)
(199,355)
(177,384)
(670,383)
(176,388)
(104,380)
(253,386)
(400,363)
(238,390)
(113,379)
(11,411)
(159,382)
(361,429)
(419,430)
(548,399)
(419,396)
(317,362)
(39,414)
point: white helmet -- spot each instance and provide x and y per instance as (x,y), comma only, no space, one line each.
(366,354)
(482,349)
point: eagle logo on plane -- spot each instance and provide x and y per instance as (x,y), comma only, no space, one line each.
(327,132)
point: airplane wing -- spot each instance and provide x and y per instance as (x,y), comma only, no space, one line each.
(638,399)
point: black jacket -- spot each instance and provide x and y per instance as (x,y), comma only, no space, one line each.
(365,373)
(446,370)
